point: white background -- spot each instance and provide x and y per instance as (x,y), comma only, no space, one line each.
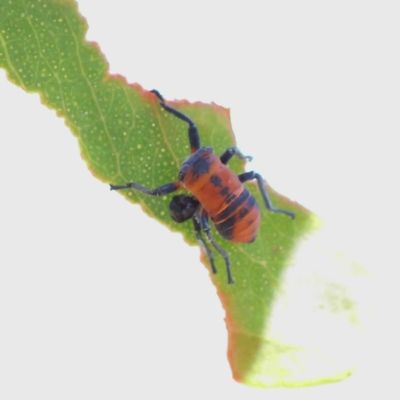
(99,301)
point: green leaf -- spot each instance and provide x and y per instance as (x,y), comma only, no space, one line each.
(125,135)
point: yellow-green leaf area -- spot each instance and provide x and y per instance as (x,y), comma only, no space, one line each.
(124,135)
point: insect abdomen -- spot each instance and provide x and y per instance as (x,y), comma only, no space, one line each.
(238,219)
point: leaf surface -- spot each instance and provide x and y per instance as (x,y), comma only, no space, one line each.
(125,135)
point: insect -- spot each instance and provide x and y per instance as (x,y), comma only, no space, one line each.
(216,193)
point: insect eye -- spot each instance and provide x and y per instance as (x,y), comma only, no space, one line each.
(182,208)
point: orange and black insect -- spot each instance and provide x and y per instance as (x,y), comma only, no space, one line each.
(217,193)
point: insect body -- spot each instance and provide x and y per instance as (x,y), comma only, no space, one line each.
(217,193)
(222,195)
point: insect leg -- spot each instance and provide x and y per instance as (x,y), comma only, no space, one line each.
(202,243)
(229,153)
(194,138)
(248,176)
(206,228)
(160,191)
